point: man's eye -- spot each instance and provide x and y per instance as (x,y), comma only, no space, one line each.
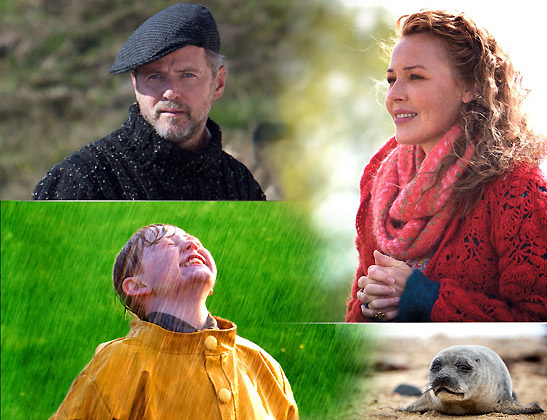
(188,75)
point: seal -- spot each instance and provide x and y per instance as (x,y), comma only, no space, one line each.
(469,380)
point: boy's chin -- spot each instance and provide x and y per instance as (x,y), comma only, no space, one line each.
(199,276)
(197,270)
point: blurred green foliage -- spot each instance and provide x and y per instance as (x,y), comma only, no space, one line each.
(58,302)
(282,58)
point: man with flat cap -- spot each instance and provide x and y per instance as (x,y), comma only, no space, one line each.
(168,149)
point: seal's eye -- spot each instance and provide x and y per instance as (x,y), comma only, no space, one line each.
(436,366)
(464,367)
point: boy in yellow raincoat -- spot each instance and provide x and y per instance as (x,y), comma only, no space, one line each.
(177,361)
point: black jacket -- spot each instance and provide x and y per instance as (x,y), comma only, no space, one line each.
(134,163)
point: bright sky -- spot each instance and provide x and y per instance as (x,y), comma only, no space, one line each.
(478,329)
(519,27)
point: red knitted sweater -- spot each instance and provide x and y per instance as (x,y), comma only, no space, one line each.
(492,264)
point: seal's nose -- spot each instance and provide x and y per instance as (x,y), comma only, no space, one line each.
(442,380)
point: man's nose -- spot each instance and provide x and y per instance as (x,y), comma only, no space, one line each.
(169,95)
(170,92)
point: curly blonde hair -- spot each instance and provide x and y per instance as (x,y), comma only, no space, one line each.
(494,121)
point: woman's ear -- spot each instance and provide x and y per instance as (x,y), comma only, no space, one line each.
(469,94)
(133,286)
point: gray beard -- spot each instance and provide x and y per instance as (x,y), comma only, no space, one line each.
(177,135)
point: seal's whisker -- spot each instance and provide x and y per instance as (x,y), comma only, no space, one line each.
(427,390)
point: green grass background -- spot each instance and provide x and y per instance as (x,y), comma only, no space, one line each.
(58,303)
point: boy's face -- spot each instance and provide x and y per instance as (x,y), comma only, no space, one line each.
(176,263)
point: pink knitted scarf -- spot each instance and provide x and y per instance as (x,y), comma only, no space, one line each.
(410,217)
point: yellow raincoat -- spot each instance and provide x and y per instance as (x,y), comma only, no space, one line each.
(154,374)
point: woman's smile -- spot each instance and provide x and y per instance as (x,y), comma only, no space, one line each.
(402,116)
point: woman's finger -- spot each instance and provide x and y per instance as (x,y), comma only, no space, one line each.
(363,297)
(380,274)
(386,304)
(363,281)
(379,290)
(388,314)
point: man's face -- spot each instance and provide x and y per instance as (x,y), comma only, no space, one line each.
(176,264)
(175,95)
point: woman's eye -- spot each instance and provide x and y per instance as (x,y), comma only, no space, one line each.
(415,77)
(390,80)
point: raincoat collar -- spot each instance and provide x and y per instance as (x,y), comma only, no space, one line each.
(164,341)
(172,323)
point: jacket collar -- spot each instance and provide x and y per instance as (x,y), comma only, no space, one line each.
(172,323)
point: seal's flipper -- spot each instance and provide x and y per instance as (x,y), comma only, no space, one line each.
(421,405)
(513,407)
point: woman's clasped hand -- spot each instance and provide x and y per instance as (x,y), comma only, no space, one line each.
(382,287)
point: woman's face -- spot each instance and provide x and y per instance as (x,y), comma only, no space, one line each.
(424,96)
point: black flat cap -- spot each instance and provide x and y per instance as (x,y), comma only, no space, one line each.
(167,31)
